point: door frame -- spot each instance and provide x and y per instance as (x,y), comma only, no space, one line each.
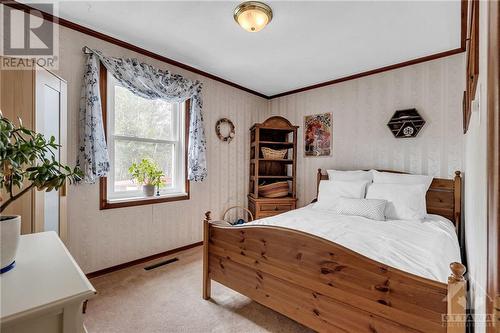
(46,77)
(493,165)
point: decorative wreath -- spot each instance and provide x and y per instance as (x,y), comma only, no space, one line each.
(231,133)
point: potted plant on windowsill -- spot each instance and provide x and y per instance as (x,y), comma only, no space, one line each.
(149,174)
(27,160)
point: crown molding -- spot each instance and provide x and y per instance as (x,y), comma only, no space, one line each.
(463,39)
(129,46)
(80,28)
(372,72)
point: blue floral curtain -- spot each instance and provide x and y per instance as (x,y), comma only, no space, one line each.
(148,82)
(93,157)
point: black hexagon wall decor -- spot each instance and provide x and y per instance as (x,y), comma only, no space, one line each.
(406,123)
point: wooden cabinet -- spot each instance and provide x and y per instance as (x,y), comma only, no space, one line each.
(45,291)
(265,207)
(276,133)
(38,97)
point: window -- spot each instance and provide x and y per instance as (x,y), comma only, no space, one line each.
(138,128)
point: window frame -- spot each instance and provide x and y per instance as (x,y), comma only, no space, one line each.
(176,140)
(104,202)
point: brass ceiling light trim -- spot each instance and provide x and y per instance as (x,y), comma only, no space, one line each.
(253,16)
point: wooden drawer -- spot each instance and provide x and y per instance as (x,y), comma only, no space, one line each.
(265,207)
(262,215)
(269,207)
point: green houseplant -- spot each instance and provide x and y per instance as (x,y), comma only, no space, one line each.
(27,160)
(149,174)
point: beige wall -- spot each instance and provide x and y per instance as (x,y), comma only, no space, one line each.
(103,238)
(361,109)
(475,184)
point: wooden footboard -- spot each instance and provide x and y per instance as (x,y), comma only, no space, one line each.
(325,286)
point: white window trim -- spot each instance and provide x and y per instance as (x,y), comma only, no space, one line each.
(179,172)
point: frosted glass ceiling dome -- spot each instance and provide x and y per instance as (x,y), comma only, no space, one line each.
(253,16)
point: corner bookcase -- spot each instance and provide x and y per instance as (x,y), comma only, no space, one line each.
(275,133)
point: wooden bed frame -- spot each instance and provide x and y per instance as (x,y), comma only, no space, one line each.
(330,288)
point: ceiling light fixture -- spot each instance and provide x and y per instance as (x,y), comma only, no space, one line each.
(253,16)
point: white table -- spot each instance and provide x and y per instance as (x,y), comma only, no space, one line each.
(45,290)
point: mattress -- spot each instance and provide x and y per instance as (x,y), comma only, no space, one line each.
(424,248)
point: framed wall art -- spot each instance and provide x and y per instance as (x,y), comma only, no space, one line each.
(318,134)
(406,123)
(472,56)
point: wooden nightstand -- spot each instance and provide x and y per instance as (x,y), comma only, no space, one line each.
(265,207)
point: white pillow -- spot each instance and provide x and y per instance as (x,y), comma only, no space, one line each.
(404,201)
(354,175)
(373,209)
(331,190)
(401,178)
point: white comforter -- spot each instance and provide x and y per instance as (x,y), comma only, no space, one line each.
(425,248)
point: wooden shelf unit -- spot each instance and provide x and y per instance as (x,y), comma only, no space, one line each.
(276,133)
(271,160)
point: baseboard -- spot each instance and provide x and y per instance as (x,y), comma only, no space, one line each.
(141,260)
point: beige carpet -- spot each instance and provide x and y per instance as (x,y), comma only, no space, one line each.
(168,299)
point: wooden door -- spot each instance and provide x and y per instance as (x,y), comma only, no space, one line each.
(17,101)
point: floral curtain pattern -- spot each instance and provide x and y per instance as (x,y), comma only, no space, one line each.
(93,157)
(149,82)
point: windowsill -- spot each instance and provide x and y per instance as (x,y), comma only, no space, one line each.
(139,198)
(139,201)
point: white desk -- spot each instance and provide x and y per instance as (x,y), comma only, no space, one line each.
(45,291)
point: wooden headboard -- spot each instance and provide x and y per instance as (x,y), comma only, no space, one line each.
(444,196)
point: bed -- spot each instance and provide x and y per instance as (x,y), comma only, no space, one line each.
(313,268)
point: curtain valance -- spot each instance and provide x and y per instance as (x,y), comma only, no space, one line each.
(145,81)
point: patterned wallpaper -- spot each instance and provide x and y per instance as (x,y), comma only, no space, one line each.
(476,184)
(102,238)
(361,109)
